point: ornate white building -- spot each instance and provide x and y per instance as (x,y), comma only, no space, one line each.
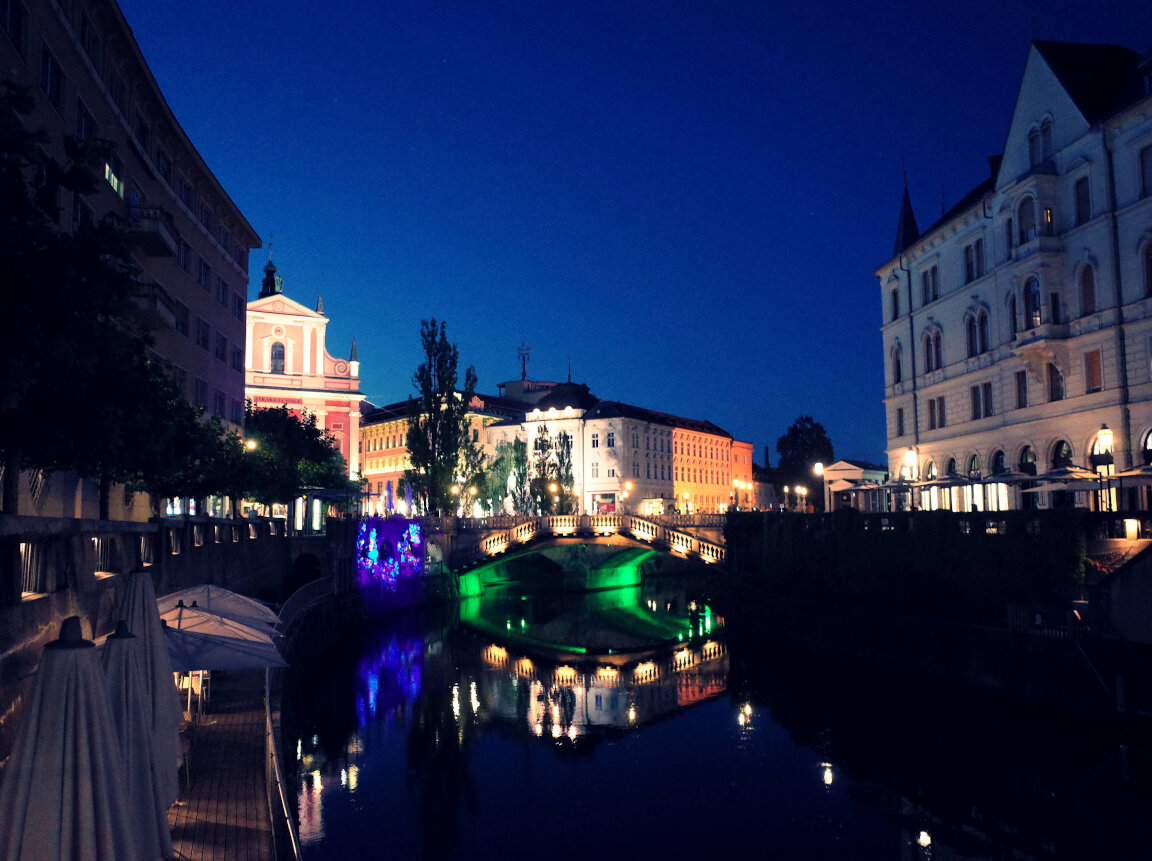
(1018,328)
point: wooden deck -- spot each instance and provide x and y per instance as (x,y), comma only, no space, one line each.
(222,812)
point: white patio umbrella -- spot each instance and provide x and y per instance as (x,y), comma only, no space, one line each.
(1136,475)
(63,794)
(200,621)
(191,651)
(138,609)
(128,694)
(222,602)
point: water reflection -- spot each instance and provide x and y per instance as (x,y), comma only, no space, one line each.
(619,722)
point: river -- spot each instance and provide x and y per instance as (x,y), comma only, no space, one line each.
(627,724)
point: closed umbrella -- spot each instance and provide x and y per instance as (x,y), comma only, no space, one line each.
(63,794)
(128,694)
(138,609)
(222,602)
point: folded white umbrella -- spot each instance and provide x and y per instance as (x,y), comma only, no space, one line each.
(63,794)
(123,660)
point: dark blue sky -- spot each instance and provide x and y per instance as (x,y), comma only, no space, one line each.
(686,200)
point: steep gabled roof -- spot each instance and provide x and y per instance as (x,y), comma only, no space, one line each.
(1100,79)
(906,230)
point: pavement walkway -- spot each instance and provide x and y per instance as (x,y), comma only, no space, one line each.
(222,813)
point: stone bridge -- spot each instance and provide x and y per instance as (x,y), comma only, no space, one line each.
(467,541)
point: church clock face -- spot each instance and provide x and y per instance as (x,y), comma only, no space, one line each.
(278,331)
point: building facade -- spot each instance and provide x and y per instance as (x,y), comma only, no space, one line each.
(288,364)
(90,81)
(1018,328)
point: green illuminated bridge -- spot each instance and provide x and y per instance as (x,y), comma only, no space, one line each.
(698,537)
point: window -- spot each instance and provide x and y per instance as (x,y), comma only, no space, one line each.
(931,284)
(1026,216)
(180,312)
(1021,389)
(940,422)
(970,329)
(1061,454)
(1055,383)
(277,356)
(204,275)
(1046,139)
(238,306)
(237,411)
(1048,225)
(900,421)
(221,347)
(200,393)
(1013,323)
(12,18)
(986,393)
(118,91)
(201,334)
(85,125)
(1093,372)
(186,192)
(51,78)
(1034,157)
(1009,237)
(223,291)
(142,130)
(937,350)
(974,391)
(184,256)
(1087,291)
(237,359)
(1054,307)
(979,249)
(114,173)
(931,414)
(164,165)
(1032,303)
(1146,172)
(595,440)
(218,402)
(969,263)
(895,304)
(982,331)
(635,469)
(974,467)
(1083,201)
(611,439)
(595,470)
(897,365)
(611,472)
(82,215)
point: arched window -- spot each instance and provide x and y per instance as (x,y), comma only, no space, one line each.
(930,471)
(951,466)
(1032,304)
(1087,291)
(982,331)
(1034,157)
(897,365)
(929,364)
(1026,219)
(974,466)
(938,349)
(1014,323)
(1061,454)
(1148,448)
(1028,460)
(277,358)
(999,463)
(1046,139)
(970,329)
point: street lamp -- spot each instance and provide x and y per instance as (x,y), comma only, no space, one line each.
(785,497)
(818,470)
(687,497)
(1102,461)
(802,492)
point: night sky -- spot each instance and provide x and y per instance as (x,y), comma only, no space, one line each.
(684,200)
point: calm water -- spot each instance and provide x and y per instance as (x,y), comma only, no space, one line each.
(631,724)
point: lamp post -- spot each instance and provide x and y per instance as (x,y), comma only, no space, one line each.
(1102,460)
(785,503)
(818,471)
(802,493)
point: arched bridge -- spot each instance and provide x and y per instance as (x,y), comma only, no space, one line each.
(693,536)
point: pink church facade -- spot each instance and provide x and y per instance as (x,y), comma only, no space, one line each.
(288,364)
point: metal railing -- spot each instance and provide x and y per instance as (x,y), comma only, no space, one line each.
(278,808)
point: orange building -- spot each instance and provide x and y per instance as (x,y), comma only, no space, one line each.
(287,364)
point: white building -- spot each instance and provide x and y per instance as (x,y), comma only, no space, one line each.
(1020,324)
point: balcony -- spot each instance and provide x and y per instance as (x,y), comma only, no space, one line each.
(150,229)
(156,311)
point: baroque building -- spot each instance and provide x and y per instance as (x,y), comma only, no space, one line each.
(89,81)
(1018,328)
(287,364)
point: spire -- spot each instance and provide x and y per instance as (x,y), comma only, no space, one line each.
(906,230)
(272,283)
(319,304)
(353,357)
(523,353)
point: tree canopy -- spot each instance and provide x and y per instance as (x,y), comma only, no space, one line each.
(438,434)
(802,446)
(288,456)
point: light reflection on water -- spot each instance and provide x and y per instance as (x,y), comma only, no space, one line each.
(433,739)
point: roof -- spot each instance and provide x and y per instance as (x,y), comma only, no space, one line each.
(906,230)
(615,409)
(1101,79)
(493,405)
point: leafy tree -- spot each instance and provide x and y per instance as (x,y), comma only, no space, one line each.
(552,480)
(521,478)
(291,455)
(437,427)
(805,444)
(495,488)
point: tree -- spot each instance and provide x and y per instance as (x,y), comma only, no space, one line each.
(552,473)
(805,444)
(521,478)
(290,455)
(438,427)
